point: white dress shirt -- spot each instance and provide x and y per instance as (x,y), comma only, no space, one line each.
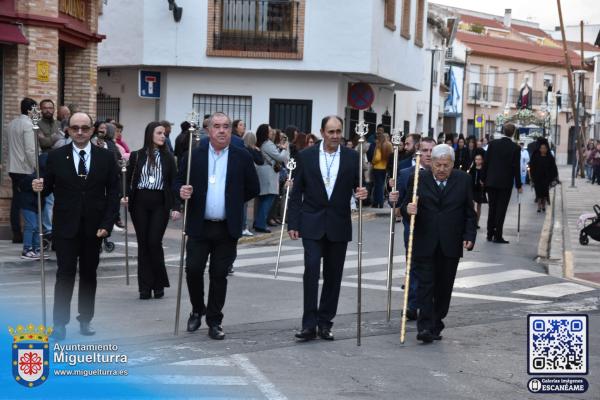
(329,165)
(87,157)
(217,178)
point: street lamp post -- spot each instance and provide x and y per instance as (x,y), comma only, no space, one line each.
(433,51)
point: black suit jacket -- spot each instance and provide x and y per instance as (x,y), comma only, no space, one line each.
(241,185)
(137,160)
(310,211)
(444,218)
(502,164)
(93,201)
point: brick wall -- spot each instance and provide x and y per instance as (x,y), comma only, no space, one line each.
(21,78)
(81,77)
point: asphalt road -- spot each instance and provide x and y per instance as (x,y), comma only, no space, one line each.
(483,354)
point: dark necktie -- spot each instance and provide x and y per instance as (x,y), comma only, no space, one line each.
(81,170)
(442,185)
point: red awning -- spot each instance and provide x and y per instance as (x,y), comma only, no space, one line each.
(10,33)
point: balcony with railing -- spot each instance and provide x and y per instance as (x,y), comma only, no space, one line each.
(256,28)
(483,93)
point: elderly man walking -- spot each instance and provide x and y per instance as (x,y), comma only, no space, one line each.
(445,224)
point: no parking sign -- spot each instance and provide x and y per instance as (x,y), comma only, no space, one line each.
(360,96)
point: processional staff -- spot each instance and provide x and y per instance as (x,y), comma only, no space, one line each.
(291,166)
(410,247)
(123,164)
(396,140)
(361,130)
(194,135)
(35,116)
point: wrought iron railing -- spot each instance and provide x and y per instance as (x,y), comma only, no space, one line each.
(256,25)
(485,93)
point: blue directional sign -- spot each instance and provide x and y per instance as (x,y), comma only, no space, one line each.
(149,84)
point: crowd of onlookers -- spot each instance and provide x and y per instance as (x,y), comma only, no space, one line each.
(591,157)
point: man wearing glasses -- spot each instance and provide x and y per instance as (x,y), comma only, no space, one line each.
(84,180)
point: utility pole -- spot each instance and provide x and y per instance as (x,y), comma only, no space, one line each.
(430,127)
(571,94)
(475,109)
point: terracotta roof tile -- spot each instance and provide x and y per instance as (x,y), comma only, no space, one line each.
(512,49)
(576,46)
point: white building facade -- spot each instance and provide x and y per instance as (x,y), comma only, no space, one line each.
(261,61)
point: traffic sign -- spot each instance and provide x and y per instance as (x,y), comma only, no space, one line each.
(360,96)
(480,121)
(149,84)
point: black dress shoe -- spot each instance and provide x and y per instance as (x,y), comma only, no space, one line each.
(411,315)
(85,328)
(501,240)
(60,332)
(425,335)
(159,293)
(194,322)
(306,334)
(490,238)
(325,334)
(216,332)
(230,270)
(261,230)
(145,295)
(436,336)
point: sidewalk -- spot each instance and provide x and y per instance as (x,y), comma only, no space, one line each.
(565,254)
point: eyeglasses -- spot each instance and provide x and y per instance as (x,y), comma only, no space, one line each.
(84,128)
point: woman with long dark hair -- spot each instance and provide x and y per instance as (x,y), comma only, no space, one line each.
(381,156)
(543,171)
(150,176)
(268,173)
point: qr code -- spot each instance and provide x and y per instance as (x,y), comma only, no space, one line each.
(557,344)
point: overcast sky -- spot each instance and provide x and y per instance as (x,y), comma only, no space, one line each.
(545,12)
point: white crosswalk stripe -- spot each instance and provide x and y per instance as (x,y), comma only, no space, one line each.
(498,277)
(555,290)
(377,272)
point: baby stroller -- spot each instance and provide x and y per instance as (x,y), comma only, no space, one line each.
(591,226)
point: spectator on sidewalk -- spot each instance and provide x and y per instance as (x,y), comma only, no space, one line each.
(120,142)
(239,128)
(524,162)
(182,141)
(167,125)
(268,174)
(381,154)
(543,173)
(461,155)
(21,160)
(479,196)
(29,210)
(63,114)
(250,143)
(595,156)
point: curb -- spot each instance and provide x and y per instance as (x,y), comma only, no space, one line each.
(554,248)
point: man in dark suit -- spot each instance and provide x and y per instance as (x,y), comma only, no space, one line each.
(85,183)
(501,171)
(222,179)
(319,213)
(445,224)
(425,147)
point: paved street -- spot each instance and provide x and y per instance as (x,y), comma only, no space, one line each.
(482,354)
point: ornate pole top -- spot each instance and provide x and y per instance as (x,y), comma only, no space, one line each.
(123,164)
(396,137)
(194,119)
(361,130)
(35,115)
(291,165)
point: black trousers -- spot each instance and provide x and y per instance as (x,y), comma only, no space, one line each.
(15,207)
(333,255)
(221,247)
(150,219)
(86,250)
(435,277)
(498,204)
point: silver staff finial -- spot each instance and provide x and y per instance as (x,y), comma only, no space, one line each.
(361,129)
(291,165)
(35,115)
(396,137)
